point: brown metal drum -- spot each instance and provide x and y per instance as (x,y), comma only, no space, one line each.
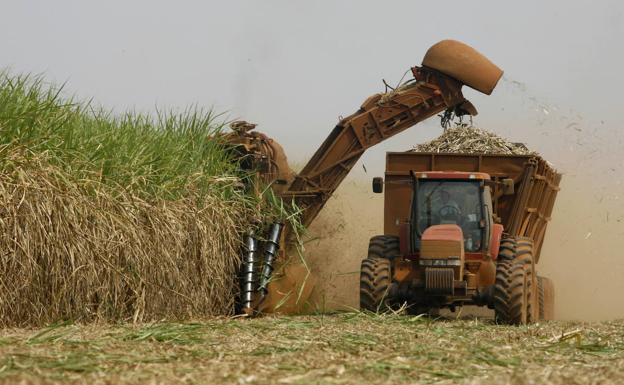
(463,63)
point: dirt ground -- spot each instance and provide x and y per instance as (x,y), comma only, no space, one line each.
(348,348)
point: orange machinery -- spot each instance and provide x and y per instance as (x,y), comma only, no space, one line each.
(462,229)
(435,88)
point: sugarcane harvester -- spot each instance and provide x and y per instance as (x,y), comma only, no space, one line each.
(435,87)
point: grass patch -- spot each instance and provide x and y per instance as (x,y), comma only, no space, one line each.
(172,333)
(166,156)
(352,348)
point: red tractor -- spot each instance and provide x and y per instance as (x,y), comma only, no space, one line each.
(462,229)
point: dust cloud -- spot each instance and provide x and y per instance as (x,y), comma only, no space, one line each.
(339,241)
(583,252)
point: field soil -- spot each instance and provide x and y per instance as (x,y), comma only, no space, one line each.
(346,348)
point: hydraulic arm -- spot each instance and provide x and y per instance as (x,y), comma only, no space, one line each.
(436,87)
(380,117)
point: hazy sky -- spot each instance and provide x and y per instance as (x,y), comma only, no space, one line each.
(294,67)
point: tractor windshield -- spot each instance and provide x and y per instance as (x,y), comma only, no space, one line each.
(450,202)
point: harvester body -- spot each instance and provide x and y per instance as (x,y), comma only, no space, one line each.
(435,88)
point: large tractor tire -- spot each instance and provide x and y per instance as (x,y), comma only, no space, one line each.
(376,274)
(520,250)
(510,293)
(546,290)
(383,246)
(375,280)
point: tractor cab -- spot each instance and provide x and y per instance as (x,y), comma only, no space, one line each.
(451,198)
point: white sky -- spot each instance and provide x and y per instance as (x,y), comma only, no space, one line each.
(295,66)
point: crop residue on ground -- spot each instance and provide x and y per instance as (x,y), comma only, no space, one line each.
(349,348)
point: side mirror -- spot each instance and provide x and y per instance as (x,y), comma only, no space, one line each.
(508,186)
(378,185)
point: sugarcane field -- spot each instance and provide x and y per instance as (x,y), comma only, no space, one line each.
(311,193)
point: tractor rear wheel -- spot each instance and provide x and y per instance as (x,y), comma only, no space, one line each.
(520,250)
(510,293)
(376,274)
(546,290)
